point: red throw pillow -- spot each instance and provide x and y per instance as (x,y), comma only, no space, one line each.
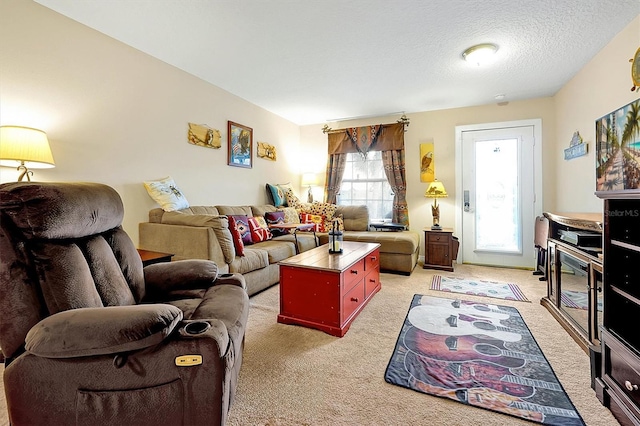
(237,238)
(242,225)
(259,230)
(318,220)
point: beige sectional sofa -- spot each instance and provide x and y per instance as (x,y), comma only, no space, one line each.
(202,232)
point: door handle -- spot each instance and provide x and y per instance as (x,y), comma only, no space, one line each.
(467,206)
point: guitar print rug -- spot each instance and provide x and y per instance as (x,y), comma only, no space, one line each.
(478,354)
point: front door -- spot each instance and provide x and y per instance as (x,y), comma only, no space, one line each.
(497,197)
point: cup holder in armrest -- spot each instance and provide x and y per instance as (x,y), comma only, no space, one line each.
(196,327)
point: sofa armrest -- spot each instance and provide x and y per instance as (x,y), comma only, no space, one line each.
(185,242)
(102,331)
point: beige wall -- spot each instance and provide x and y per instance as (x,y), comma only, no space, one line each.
(601,87)
(439,127)
(118,116)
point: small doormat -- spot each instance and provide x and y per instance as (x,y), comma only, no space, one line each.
(478,288)
(480,355)
(577,300)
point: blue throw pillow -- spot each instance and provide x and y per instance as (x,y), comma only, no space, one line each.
(277,195)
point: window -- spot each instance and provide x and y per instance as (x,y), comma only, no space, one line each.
(364,182)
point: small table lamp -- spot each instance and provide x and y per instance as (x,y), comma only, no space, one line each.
(436,190)
(24,148)
(309,179)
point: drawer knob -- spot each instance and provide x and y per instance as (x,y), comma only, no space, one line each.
(355,299)
(372,280)
(373,258)
(630,386)
(354,271)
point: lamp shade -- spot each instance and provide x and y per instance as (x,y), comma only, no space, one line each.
(436,190)
(309,179)
(25,146)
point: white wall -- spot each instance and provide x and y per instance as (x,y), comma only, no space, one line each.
(118,116)
(601,87)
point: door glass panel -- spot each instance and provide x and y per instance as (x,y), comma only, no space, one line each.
(498,220)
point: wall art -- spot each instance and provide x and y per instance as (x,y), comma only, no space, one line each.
(618,149)
(240,145)
(203,135)
(427,163)
(266,151)
(577,147)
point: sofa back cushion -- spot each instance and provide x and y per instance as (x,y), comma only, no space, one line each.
(355,218)
(235,210)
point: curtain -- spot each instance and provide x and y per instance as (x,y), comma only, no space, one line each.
(388,138)
(335,171)
(395,170)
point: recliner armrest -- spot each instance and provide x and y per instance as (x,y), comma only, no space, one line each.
(161,278)
(102,331)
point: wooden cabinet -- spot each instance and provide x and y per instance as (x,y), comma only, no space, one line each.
(327,291)
(619,384)
(439,249)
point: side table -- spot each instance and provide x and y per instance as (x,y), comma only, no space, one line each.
(150,257)
(295,227)
(439,249)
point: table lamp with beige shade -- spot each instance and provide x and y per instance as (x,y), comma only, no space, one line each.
(24,148)
(309,179)
(436,190)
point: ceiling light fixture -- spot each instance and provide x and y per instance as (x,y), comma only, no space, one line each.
(480,53)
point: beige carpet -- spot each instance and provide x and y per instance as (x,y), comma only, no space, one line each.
(297,376)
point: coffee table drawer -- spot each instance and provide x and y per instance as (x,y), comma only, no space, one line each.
(371,282)
(353,274)
(352,300)
(372,261)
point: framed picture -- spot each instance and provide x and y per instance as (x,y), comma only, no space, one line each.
(427,163)
(240,145)
(618,149)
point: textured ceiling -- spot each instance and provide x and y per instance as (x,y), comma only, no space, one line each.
(313,61)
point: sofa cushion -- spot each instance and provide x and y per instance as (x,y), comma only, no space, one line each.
(356,218)
(259,230)
(235,210)
(261,210)
(252,260)
(242,225)
(278,250)
(166,193)
(237,238)
(402,242)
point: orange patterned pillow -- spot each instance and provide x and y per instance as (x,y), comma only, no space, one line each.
(319,221)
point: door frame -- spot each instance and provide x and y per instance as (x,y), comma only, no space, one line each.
(537,166)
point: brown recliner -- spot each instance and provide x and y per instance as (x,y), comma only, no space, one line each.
(90,336)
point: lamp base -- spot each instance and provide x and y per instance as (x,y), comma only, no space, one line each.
(436,227)
(309,196)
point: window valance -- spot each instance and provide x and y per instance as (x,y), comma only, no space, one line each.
(383,137)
